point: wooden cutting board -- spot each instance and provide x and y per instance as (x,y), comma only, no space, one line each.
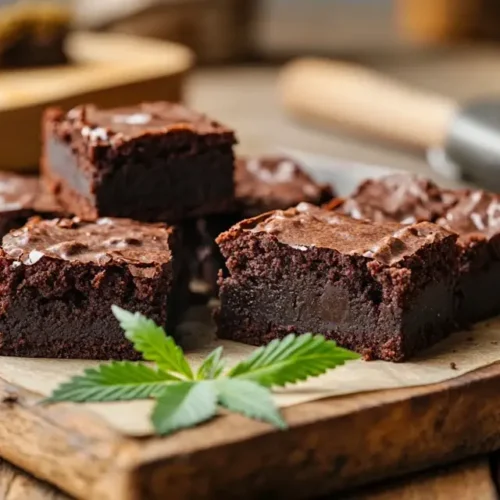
(332,444)
(107,69)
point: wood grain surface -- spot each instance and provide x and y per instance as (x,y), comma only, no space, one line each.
(470,480)
(467,480)
(332,444)
(17,485)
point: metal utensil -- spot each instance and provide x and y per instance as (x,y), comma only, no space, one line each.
(460,140)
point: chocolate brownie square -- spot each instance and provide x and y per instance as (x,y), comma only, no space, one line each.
(22,197)
(476,218)
(60,277)
(473,214)
(261,184)
(152,162)
(384,290)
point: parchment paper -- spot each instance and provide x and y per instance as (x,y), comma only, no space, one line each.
(460,353)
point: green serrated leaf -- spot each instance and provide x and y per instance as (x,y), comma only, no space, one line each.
(117,381)
(212,366)
(153,343)
(291,360)
(250,399)
(184,404)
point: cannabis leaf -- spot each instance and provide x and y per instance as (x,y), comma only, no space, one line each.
(184,404)
(212,366)
(151,341)
(250,399)
(118,381)
(291,360)
(183,398)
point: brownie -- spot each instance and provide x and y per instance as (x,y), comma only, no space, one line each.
(397,198)
(60,277)
(33,34)
(275,183)
(22,197)
(384,290)
(476,218)
(152,162)
(473,214)
(261,184)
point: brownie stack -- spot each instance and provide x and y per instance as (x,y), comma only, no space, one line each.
(128,178)
(135,202)
(127,211)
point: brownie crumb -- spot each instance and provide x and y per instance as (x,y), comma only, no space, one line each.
(453,366)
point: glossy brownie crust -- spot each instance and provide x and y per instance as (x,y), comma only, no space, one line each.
(275,183)
(154,162)
(473,214)
(386,291)
(59,279)
(476,219)
(397,198)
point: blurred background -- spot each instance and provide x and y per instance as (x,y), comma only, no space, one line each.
(226,57)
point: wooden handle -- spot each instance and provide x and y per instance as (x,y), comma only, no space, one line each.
(365,101)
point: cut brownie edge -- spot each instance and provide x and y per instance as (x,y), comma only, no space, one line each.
(74,320)
(244,317)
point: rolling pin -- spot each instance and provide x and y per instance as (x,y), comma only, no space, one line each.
(372,104)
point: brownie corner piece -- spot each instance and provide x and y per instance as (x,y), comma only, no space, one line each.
(151,162)
(60,277)
(384,290)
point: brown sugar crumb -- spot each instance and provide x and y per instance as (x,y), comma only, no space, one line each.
(453,366)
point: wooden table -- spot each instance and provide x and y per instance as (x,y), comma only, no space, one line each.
(245,98)
(471,480)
